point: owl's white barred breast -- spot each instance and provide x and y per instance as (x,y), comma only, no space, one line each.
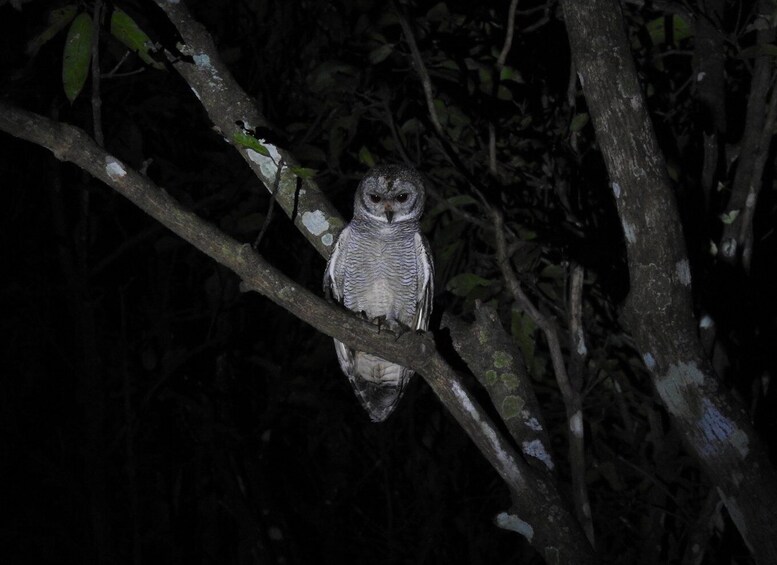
(383,276)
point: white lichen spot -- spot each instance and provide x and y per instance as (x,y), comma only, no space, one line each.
(672,387)
(729,248)
(629,232)
(634,102)
(700,76)
(536,449)
(706,322)
(114,169)
(315,222)
(750,202)
(514,524)
(685,374)
(533,424)
(650,362)
(327,239)
(582,350)
(464,399)
(683,270)
(576,424)
(616,190)
(267,165)
(201,60)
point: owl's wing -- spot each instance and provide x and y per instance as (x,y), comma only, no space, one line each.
(425,293)
(335,267)
(334,276)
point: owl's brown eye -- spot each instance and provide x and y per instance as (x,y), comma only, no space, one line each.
(402,197)
(375,198)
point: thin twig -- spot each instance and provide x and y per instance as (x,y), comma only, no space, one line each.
(271,206)
(423,74)
(500,62)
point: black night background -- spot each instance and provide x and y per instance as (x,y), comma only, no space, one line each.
(151,411)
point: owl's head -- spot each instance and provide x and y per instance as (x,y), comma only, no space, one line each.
(390,194)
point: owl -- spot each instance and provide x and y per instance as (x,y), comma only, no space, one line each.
(381,265)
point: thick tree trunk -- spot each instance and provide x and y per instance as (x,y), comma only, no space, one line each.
(658,311)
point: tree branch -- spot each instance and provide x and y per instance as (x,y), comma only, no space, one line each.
(659,309)
(546,523)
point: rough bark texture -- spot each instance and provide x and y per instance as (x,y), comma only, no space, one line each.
(541,514)
(658,311)
(492,355)
(235,114)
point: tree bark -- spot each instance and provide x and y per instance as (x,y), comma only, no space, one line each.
(658,311)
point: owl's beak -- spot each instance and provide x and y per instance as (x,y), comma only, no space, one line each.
(389,215)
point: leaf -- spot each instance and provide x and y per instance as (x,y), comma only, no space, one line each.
(77,56)
(766,49)
(58,19)
(366,157)
(461,200)
(729,217)
(304,172)
(127,31)
(464,283)
(657,29)
(251,142)
(579,122)
(381,53)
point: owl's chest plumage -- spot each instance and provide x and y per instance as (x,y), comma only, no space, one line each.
(381,274)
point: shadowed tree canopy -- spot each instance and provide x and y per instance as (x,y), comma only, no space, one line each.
(596,384)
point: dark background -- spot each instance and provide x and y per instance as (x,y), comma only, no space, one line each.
(150,412)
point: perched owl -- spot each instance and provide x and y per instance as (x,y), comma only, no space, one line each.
(381,265)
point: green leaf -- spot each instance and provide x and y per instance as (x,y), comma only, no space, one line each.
(58,19)
(127,31)
(365,156)
(251,142)
(461,200)
(381,53)
(304,172)
(77,56)
(579,122)
(729,217)
(464,283)
(657,29)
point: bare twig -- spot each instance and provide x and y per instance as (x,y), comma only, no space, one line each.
(500,62)
(423,74)
(270,206)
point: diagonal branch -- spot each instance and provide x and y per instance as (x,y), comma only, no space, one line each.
(541,515)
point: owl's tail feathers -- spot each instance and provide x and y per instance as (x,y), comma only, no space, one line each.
(379,385)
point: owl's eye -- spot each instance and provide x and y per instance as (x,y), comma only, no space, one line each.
(375,198)
(402,197)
